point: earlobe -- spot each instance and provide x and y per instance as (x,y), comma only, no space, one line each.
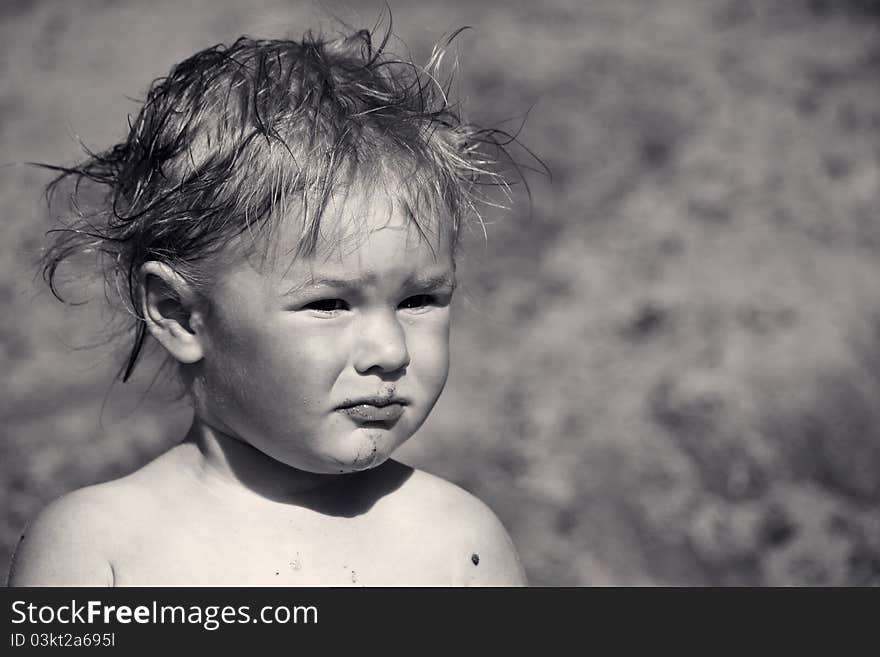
(168,306)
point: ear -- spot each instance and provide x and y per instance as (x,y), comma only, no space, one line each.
(168,308)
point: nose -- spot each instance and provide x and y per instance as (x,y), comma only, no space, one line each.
(381,344)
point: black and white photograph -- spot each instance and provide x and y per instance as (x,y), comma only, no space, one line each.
(571,293)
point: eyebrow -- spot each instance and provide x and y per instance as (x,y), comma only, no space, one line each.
(444,279)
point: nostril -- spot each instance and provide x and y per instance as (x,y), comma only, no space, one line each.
(386,375)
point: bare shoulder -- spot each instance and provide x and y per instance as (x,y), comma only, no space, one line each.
(67,543)
(71,541)
(482,551)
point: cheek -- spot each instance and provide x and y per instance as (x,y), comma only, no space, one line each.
(262,366)
(429,347)
(283,370)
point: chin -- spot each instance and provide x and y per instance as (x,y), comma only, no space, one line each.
(368,463)
(339,466)
(368,449)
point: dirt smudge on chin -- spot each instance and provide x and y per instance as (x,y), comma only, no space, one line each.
(368,459)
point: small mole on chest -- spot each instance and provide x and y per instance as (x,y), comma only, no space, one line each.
(475,559)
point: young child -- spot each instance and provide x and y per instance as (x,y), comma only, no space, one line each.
(282,218)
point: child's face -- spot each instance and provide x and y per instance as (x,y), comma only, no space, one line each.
(328,363)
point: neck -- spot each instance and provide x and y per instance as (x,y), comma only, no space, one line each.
(224,460)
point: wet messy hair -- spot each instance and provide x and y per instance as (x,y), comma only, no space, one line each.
(237,137)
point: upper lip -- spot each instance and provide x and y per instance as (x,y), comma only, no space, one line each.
(372,401)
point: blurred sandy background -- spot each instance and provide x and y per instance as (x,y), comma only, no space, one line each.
(667,373)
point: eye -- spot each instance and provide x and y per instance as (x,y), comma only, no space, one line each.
(417,301)
(326,305)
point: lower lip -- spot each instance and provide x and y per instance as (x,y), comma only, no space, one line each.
(370,413)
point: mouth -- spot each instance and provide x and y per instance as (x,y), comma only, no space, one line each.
(369,410)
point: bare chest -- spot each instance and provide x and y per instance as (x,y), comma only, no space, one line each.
(283,548)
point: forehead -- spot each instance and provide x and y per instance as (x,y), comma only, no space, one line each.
(365,235)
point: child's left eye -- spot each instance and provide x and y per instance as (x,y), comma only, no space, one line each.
(417,301)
